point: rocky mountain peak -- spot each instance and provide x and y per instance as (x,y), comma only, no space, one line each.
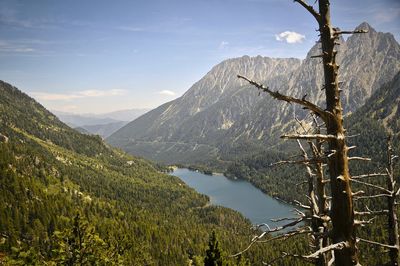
(366,26)
(220,112)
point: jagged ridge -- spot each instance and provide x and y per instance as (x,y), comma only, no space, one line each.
(220,115)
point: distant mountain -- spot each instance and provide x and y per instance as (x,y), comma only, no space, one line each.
(221,118)
(78,120)
(100,124)
(55,181)
(123,115)
(103,130)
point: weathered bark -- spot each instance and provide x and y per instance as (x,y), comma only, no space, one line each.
(393,227)
(342,213)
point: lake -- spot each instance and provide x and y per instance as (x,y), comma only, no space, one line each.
(238,195)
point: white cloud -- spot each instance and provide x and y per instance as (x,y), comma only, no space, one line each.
(167,93)
(45,96)
(223,44)
(290,37)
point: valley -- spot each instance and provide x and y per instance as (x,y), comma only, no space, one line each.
(215,133)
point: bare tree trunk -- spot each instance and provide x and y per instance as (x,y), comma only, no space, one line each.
(321,196)
(393,227)
(342,213)
(317,225)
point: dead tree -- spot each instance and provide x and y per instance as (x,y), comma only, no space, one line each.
(391,192)
(342,213)
(393,226)
(316,194)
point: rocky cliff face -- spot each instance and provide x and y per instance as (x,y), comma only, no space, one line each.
(220,115)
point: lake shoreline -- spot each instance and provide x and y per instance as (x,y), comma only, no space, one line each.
(237,194)
(211,173)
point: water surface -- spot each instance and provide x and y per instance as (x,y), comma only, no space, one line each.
(238,195)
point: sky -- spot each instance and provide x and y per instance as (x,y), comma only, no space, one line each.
(97,56)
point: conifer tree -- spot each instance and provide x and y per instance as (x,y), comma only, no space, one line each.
(213,253)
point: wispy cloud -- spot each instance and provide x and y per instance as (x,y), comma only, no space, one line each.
(14,47)
(223,44)
(10,17)
(167,93)
(45,96)
(387,15)
(130,28)
(290,37)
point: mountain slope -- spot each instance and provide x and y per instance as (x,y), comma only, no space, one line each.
(192,124)
(137,215)
(379,116)
(221,118)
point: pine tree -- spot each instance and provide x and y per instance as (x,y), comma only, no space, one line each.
(213,253)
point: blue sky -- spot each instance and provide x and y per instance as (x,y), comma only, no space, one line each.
(99,56)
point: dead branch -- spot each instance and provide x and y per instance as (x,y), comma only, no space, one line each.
(340,32)
(317,56)
(381,212)
(280,228)
(314,108)
(287,235)
(258,237)
(359,158)
(307,161)
(377,243)
(332,260)
(298,203)
(372,196)
(283,219)
(315,255)
(311,137)
(363,222)
(310,9)
(336,246)
(370,185)
(367,175)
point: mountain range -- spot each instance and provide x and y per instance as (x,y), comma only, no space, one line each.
(221,118)
(100,124)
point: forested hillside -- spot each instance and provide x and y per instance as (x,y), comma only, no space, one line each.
(68,198)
